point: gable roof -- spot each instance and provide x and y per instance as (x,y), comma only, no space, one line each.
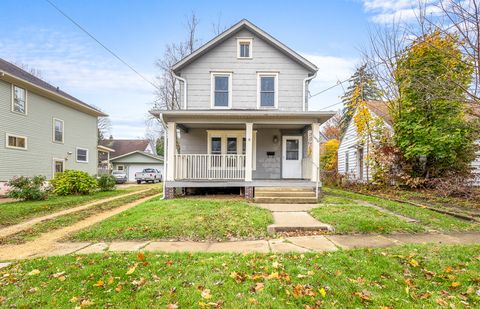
(125,146)
(159,158)
(13,73)
(380,108)
(244,24)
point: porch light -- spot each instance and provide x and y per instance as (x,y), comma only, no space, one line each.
(275,139)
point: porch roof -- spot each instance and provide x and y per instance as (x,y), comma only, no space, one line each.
(242,116)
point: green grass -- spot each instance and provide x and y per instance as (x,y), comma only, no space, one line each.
(186,219)
(349,219)
(16,212)
(426,217)
(445,275)
(56,223)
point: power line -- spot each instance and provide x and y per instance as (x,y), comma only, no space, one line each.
(100,43)
(332,105)
(331,87)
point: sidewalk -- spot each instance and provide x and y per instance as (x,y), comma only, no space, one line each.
(300,244)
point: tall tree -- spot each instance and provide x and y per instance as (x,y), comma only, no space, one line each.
(431,129)
(362,88)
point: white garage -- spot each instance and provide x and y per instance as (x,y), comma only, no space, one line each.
(135,162)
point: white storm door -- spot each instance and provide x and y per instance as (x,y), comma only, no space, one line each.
(292,157)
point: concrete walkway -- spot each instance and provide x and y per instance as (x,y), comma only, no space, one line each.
(294,217)
(284,245)
(12,229)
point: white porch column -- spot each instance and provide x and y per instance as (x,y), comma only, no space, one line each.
(315,150)
(248,151)
(171,145)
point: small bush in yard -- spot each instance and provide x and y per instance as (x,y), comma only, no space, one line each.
(106,183)
(28,189)
(73,182)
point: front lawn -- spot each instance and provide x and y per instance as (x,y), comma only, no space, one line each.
(16,212)
(421,276)
(348,219)
(426,217)
(185,219)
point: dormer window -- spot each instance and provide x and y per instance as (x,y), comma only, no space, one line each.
(244,48)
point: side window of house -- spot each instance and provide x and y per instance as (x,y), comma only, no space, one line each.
(57,130)
(82,155)
(58,166)
(221,90)
(19,103)
(267,95)
(16,141)
(216,147)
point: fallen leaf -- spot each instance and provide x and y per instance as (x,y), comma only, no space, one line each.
(364,295)
(322,292)
(413,262)
(131,269)
(206,294)
(172,306)
(99,283)
(169,263)
(238,277)
(86,303)
(110,280)
(455,284)
(441,302)
(449,269)
(141,256)
(74,299)
(34,272)
(275,264)
(139,282)
(258,287)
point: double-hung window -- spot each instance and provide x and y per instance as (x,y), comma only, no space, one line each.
(244,48)
(19,100)
(267,90)
(57,130)
(82,155)
(221,90)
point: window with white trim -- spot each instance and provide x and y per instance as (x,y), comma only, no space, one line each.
(120,168)
(267,90)
(221,90)
(19,100)
(346,162)
(57,130)
(15,141)
(82,155)
(244,48)
(58,166)
(230,142)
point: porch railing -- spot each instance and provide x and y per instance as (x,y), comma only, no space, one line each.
(209,166)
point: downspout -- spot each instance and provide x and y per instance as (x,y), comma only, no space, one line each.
(305,80)
(184,81)
(165,145)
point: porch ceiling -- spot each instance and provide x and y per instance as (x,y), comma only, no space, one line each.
(232,117)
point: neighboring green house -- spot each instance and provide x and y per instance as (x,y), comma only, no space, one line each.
(132,156)
(43,130)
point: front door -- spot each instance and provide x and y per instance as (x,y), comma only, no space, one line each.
(292,157)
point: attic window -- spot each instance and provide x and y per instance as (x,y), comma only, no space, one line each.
(244,48)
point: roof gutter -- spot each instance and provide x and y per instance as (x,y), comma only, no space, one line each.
(304,92)
(184,81)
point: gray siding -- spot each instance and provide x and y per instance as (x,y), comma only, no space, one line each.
(136,158)
(80,130)
(244,75)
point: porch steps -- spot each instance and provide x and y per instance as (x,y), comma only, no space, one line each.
(285,195)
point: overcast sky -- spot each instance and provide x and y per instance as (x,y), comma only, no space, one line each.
(329,33)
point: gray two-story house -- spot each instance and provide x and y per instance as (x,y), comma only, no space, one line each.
(43,130)
(244,120)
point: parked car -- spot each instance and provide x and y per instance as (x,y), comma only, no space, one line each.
(148,175)
(120,176)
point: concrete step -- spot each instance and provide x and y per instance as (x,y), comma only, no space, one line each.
(286,200)
(296,221)
(284,194)
(284,189)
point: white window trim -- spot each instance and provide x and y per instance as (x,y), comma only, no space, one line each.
(76,154)
(7,135)
(63,131)
(245,40)
(259,85)
(53,165)
(13,101)
(122,165)
(212,89)
(239,134)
